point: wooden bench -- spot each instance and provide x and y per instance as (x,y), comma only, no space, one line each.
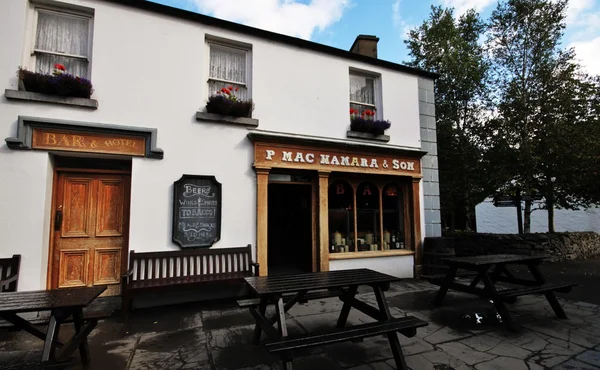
(9,273)
(156,271)
(511,293)
(405,325)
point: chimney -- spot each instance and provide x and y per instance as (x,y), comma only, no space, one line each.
(365,45)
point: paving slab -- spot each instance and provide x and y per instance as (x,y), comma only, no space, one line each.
(574,365)
(482,343)
(590,357)
(219,337)
(465,353)
(446,334)
(506,349)
(501,363)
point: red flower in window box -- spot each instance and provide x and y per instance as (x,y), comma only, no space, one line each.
(60,67)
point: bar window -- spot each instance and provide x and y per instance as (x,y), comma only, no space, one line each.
(366,216)
(341,217)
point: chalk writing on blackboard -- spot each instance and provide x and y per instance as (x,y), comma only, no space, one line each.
(196,211)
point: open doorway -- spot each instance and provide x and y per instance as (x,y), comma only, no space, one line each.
(290,228)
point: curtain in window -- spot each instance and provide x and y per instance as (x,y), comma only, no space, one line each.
(362,89)
(61,33)
(228,68)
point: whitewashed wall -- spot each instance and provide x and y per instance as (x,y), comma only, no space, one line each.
(150,70)
(503,220)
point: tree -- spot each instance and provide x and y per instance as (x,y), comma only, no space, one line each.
(546,106)
(451,47)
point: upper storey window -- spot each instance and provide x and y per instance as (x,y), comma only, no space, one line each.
(62,37)
(364,92)
(229,66)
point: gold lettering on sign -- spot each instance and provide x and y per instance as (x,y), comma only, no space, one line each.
(277,155)
(84,142)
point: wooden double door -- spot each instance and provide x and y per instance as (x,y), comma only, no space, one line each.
(89,230)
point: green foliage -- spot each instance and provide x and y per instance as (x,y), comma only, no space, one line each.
(514,113)
(451,47)
(545,105)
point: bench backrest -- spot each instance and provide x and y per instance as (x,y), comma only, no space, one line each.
(9,267)
(189,262)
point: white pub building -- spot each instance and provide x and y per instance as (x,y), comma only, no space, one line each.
(86,176)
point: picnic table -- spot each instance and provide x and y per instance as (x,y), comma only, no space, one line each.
(493,268)
(62,303)
(286,291)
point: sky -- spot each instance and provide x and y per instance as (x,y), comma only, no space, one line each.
(337,22)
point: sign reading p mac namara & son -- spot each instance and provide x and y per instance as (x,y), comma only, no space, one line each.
(196,211)
(269,155)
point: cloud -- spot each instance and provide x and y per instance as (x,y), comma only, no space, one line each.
(588,52)
(399,22)
(583,25)
(576,8)
(290,17)
(462,6)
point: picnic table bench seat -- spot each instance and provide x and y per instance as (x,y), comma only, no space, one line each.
(542,288)
(166,270)
(405,325)
(9,273)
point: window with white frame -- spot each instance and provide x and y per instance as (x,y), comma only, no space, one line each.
(363,92)
(229,66)
(62,37)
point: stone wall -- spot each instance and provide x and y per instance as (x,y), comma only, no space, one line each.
(557,246)
(431,180)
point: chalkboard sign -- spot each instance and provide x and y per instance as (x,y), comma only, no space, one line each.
(196,211)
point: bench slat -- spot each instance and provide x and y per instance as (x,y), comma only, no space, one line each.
(345,334)
(180,280)
(547,287)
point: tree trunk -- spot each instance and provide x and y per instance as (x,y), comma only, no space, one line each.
(550,206)
(527,217)
(519,212)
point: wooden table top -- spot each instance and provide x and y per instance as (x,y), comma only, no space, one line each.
(265,285)
(41,300)
(490,259)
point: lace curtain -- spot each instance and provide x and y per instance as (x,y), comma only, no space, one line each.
(362,89)
(61,33)
(227,68)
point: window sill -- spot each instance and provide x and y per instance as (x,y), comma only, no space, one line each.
(45,98)
(367,136)
(370,254)
(240,121)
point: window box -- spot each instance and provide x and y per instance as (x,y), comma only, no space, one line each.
(241,121)
(58,84)
(369,126)
(226,104)
(367,136)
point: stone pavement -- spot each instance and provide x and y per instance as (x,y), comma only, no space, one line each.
(195,336)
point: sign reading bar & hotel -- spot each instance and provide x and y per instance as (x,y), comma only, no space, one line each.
(267,155)
(88,142)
